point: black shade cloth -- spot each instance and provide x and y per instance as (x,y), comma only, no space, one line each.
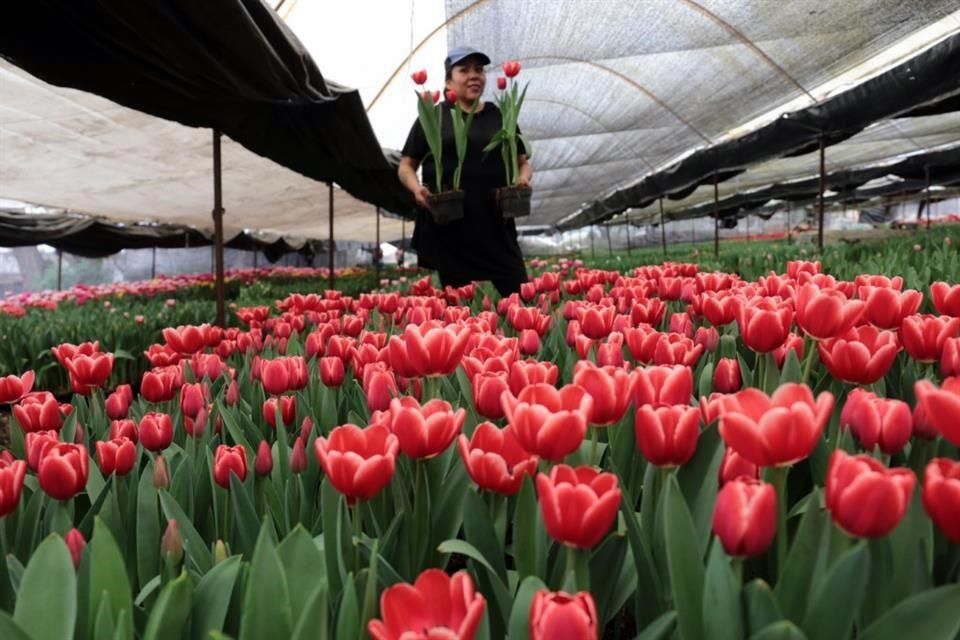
(930,80)
(230,65)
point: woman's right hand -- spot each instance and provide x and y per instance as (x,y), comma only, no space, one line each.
(420,194)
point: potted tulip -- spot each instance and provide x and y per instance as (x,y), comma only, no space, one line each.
(514,199)
(446,205)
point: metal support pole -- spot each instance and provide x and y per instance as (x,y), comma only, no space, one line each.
(403,242)
(332,246)
(609,242)
(218,231)
(59,269)
(593,251)
(256,255)
(153,264)
(716,216)
(663,229)
(628,236)
(823,180)
(926,192)
(747,217)
(376,252)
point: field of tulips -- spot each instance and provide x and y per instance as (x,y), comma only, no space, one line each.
(657,453)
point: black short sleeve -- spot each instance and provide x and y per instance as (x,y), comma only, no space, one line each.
(521,148)
(416,145)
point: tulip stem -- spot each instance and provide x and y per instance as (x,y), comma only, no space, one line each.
(594,438)
(779,479)
(737,564)
(759,377)
(357,529)
(808,364)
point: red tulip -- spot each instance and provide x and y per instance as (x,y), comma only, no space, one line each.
(358,462)
(487,389)
(229,460)
(681,323)
(124,428)
(826,313)
(667,436)
(887,307)
(419,77)
(548,422)
(424,431)
(161,355)
(511,68)
(611,389)
(950,358)
(209,365)
(726,377)
(745,517)
(436,605)
(648,345)
(922,427)
(298,456)
(156,431)
(719,308)
(662,385)
(734,466)
(610,353)
(283,374)
(332,371)
(941,496)
(560,615)
(117,405)
(529,342)
(36,445)
(524,373)
(501,83)
(946,298)
(877,421)
(186,340)
(865,499)
(578,505)
(707,337)
(764,323)
(942,406)
(38,413)
(288,410)
(75,545)
(495,460)
(116,456)
(522,318)
(596,321)
(171,544)
(161,477)
(12,388)
(89,372)
(12,473)
(451,96)
(66,351)
(63,470)
(923,336)
(161,385)
(650,311)
(193,399)
(427,350)
(379,386)
(263,463)
(778,430)
(862,355)
(796,267)
(794,343)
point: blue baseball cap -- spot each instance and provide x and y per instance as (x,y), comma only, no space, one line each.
(457,54)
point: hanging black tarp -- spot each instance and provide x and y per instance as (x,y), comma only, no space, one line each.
(928,79)
(231,65)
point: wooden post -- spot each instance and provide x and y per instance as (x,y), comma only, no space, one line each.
(218,231)
(823,180)
(332,247)
(663,229)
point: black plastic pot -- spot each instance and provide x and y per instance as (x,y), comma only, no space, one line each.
(446,207)
(514,201)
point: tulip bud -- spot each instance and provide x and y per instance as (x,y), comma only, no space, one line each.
(263,465)
(331,371)
(161,478)
(298,458)
(555,615)
(171,545)
(306,428)
(726,377)
(745,516)
(501,83)
(451,96)
(220,552)
(75,545)
(529,342)
(233,394)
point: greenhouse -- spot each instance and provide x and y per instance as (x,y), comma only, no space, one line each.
(480,319)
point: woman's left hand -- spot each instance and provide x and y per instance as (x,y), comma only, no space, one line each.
(524,181)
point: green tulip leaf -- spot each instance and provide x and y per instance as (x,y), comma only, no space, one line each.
(211,598)
(519,627)
(266,610)
(761,607)
(49,584)
(660,628)
(722,608)
(783,630)
(109,582)
(684,563)
(931,615)
(846,582)
(169,615)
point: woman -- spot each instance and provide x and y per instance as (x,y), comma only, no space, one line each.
(482,245)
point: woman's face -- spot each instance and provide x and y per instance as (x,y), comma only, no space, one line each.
(468,79)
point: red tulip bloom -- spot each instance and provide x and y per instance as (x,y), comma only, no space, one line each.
(186,340)
(63,470)
(778,430)
(38,413)
(451,96)
(419,77)
(610,353)
(156,431)
(826,313)
(359,462)
(796,267)
(726,376)
(263,463)
(427,350)
(487,389)
(561,615)
(719,309)
(161,385)
(923,336)
(379,386)
(942,406)
(511,68)
(648,345)
(424,431)
(283,374)
(12,473)
(950,358)
(707,337)
(875,421)
(662,385)
(578,505)
(501,83)
(117,405)
(667,436)
(36,445)
(160,355)
(529,342)
(745,517)
(548,422)
(596,320)
(288,410)
(495,460)
(941,496)
(866,499)
(66,351)
(116,456)
(734,466)
(124,428)
(12,388)
(193,398)
(298,456)
(764,323)
(887,307)
(946,298)
(434,606)
(649,311)
(681,323)
(89,372)
(522,318)
(611,389)
(863,355)
(794,343)
(332,371)
(524,373)
(75,545)
(229,460)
